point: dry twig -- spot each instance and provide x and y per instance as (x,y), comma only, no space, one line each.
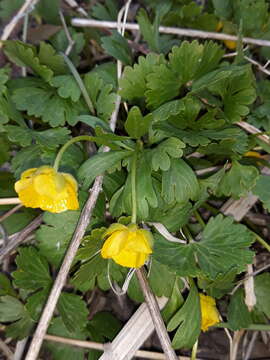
(169,30)
(10,212)
(20,237)
(99,346)
(27,6)
(6,350)
(73,4)
(152,304)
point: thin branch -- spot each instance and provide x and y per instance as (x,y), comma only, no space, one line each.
(10,212)
(10,201)
(169,30)
(6,350)
(259,66)
(253,130)
(64,270)
(99,346)
(20,237)
(27,7)
(70,254)
(71,42)
(151,302)
(236,340)
(73,4)
(20,346)
(251,345)
(249,286)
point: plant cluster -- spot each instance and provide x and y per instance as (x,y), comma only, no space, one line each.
(177,154)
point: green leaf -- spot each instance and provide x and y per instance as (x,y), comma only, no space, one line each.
(221,285)
(98,164)
(49,57)
(46,105)
(73,311)
(262,292)
(136,124)
(238,315)
(54,235)
(262,190)
(188,318)
(238,181)
(150,32)
(223,9)
(91,244)
(175,301)
(172,216)
(192,60)
(50,138)
(235,86)
(49,11)
(61,351)
(25,55)
(161,155)
(5,286)
(224,246)
(179,183)
(178,257)
(32,270)
(105,324)
(7,8)
(93,122)
(21,328)
(101,95)
(133,82)
(108,11)
(117,46)
(85,276)
(11,309)
(146,196)
(162,86)
(67,87)
(35,303)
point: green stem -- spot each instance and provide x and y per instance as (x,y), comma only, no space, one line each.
(187,233)
(199,218)
(211,208)
(262,242)
(133,188)
(194,351)
(66,145)
(80,83)
(260,327)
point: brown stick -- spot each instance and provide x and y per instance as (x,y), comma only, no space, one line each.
(10,201)
(10,212)
(22,235)
(169,30)
(63,272)
(20,14)
(151,302)
(99,346)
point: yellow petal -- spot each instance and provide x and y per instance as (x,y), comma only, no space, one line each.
(114,227)
(114,244)
(230,44)
(209,312)
(138,242)
(130,259)
(47,189)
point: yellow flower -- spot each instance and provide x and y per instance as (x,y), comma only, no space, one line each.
(127,245)
(47,189)
(230,44)
(209,312)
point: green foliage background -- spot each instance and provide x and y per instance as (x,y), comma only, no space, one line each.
(181,98)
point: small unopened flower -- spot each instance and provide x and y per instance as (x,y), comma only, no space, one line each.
(127,245)
(47,189)
(209,312)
